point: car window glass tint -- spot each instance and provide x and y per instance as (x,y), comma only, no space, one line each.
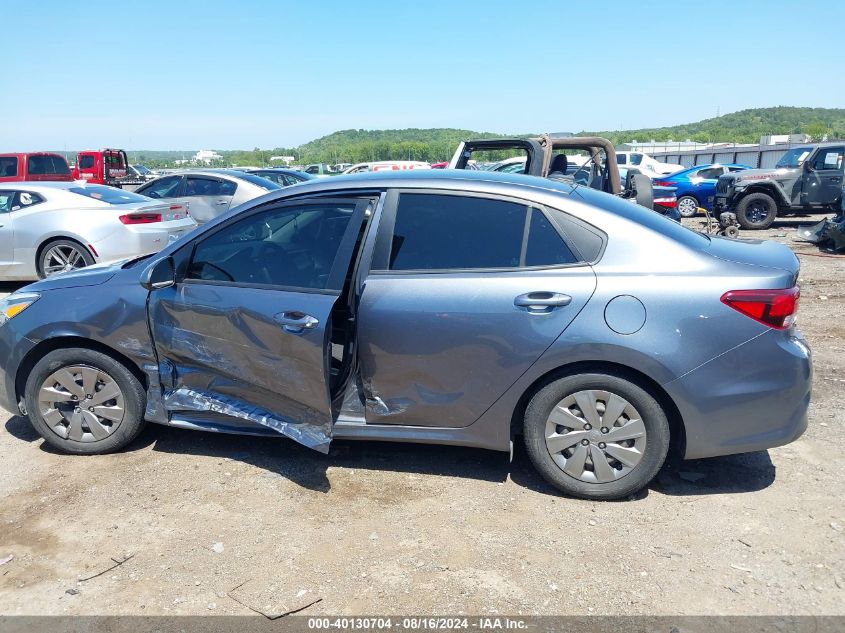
(6,198)
(438,232)
(710,173)
(162,188)
(207,187)
(86,162)
(830,158)
(291,246)
(8,166)
(27,199)
(545,245)
(47,164)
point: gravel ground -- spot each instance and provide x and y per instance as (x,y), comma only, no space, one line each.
(393,529)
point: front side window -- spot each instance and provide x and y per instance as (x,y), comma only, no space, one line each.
(8,166)
(636,159)
(621,159)
(293,246)
(167,187)
(829,158)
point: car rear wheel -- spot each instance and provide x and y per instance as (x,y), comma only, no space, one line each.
(82,401)
(756,211)
(687,206)
(61,256)
(596,436)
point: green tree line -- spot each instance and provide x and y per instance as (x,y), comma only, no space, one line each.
(438,144)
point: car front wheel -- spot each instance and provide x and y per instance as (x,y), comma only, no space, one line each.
(82,401)
(756,211)
(596,436)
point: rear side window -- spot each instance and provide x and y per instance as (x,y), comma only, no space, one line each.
(710,173)
(86,162)
(47,164)
(208,187)
(545,245)
(8,166)
(434,232)
(445,232)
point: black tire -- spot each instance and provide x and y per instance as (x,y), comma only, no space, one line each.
(653,417)
(85,258)
(132,393)
(683,208)
(756,211)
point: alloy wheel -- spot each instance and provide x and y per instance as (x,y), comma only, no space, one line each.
(81,403)
(687,207)
(595,436)
(62,258)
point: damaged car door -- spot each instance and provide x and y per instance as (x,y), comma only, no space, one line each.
(465,292)
(244,335)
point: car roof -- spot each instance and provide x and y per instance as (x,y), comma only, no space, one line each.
(428,179)
(62,185)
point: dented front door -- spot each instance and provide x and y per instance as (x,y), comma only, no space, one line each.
(243,335)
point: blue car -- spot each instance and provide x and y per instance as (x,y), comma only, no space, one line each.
(696,186)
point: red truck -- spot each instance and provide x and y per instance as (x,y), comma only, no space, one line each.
(34,166)
(101,167)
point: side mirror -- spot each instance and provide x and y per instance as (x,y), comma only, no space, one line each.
(808,165)
(642,190)
(159,274)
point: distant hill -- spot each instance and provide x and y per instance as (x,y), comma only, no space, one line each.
(745,126)
(438,144)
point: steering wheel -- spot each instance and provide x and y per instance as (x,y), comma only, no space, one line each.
(270,253)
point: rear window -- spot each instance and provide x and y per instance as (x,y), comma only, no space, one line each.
(109,195)
(47,164)
(646,217)
(269,185)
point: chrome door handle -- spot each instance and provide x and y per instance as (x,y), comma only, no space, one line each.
(542,301)
(296,322)
(222,202)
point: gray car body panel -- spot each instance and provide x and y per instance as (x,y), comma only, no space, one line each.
(654,314)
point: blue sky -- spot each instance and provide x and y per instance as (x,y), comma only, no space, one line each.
(185,74)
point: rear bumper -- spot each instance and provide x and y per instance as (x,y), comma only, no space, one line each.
(752,398)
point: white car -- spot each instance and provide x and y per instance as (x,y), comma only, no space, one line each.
(386,165)
(207,193)
(646,164)
(52,227)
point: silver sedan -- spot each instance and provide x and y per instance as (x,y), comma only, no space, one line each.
(208,193)
(52,227)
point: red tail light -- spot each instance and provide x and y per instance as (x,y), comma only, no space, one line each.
(140,218)
(669,203)
(663,183)
(775,308)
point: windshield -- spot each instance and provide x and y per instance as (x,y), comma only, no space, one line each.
(109,195)
(142,170)
(794,157)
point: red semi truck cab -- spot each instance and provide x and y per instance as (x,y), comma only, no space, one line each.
(101,167)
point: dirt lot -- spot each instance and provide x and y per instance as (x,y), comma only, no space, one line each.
(380,528)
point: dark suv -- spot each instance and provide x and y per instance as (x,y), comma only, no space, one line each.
(806,178)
